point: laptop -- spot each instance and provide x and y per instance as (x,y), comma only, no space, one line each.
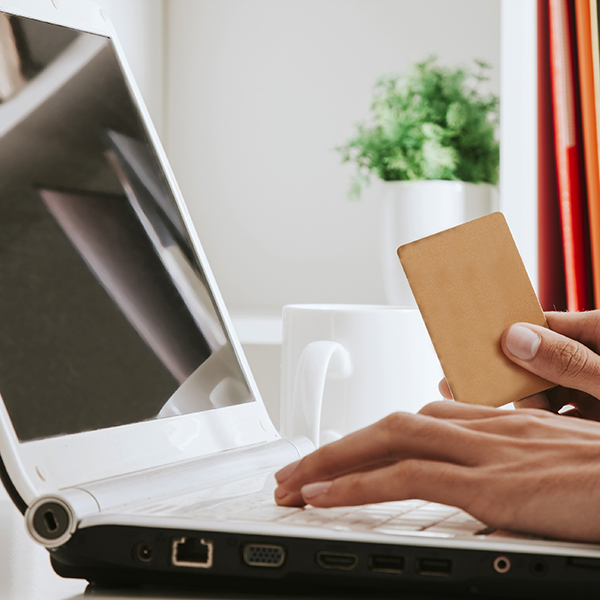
(132,435)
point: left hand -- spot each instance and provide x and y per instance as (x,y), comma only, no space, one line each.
(528,470)
(566,353)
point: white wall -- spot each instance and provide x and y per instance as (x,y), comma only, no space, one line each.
(258,94)
(251,98)
(518,117)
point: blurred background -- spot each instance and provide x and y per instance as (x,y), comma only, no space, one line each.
(251,98)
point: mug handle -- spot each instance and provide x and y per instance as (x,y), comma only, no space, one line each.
(318,362)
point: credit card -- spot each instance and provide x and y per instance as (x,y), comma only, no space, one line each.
(470,285)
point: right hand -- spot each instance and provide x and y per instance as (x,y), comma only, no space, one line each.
(528,471)
(565,354)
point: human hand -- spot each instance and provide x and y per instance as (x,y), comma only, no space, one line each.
(565,354)
(527,470)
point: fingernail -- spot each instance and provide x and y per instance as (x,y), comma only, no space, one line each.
(282,475)
(522,342)
(315,489)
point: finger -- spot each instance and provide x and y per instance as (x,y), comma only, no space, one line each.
(444,390)
(560,396)
(551,400)
(587,407)
(419,479)
(523,423)
(443,409)
(553,356)
(581,326)
(526,425)
(540,401)
(397,437)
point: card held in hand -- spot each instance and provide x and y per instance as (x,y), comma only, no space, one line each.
(470,285)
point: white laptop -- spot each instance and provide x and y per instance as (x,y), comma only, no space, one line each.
(132,435)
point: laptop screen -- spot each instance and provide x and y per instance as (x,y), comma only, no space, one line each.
(106,317)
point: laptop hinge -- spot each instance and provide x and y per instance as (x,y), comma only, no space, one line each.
(52,519)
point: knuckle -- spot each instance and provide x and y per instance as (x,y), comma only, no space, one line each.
(527,418)
(408,470)
(568,358)
(405,474)
(353,486)
(433,408)
(519,425)
(531,415)
(391,429)
(524,430)
(394,423)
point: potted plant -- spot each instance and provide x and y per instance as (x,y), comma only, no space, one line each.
(432,141)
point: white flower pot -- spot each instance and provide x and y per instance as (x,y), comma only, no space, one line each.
(415,209)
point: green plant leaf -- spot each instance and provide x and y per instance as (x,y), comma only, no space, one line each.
(430,122)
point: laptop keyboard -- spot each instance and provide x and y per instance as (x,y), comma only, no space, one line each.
(408,517)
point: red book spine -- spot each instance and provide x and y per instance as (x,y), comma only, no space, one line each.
(551,280)
(571,190)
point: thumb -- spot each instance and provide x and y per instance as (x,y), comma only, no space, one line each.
(554,357)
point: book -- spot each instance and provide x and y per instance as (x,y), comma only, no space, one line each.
(551,279)
(592,80)
(571,190)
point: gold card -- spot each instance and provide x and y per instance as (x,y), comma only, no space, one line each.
(470,285)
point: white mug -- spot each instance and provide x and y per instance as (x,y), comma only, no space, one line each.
(347,366)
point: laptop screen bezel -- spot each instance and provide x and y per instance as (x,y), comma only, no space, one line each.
(47,465)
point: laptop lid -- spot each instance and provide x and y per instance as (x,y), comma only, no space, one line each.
(116,350)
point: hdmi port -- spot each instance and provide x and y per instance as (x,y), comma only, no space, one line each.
(340,561)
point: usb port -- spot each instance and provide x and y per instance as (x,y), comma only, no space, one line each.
(380,563)
(584,562)
(193,552)
(339,561)
(436,567)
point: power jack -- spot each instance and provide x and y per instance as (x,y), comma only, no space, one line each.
(144,553)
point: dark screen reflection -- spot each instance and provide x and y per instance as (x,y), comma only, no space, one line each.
(105,313)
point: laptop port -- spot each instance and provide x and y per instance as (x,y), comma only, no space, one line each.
(435,567)
(380,563)
(340,561)
(502,564)
(583,562)
(263,555)
(144,552)
(193,552)
(538,566)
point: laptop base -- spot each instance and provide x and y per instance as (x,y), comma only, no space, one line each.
(127,555)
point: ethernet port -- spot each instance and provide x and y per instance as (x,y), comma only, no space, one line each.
(193,552)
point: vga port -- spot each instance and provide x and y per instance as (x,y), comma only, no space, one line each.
(263,555)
